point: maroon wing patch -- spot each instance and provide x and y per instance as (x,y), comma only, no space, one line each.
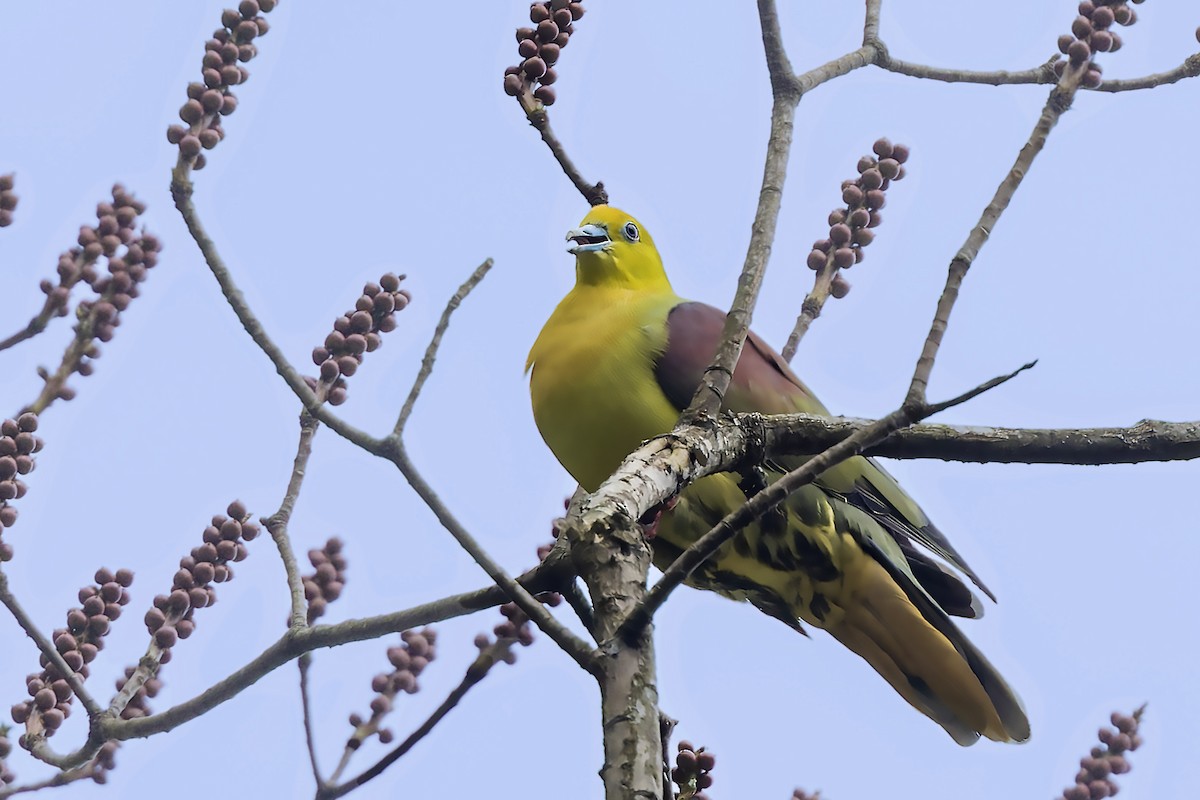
(761,382)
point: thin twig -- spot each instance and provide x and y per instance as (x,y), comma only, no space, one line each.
(810,309)
(666,727)
(36,325)
(181,192)
(571,644)
(478,670)
(63,778)
(594,193)
(1057,104)
(47,648)
(1190,68)
(546,577)
(787,91)
(53,306)
(431,351)
(578,602)
(1042,74)
(277,523)
(72,356)
(304,662)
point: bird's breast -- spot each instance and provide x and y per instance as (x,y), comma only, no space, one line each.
(595,397)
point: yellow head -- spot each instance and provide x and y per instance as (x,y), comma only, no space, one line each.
(613,250)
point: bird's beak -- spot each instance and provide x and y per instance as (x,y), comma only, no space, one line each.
(588,239)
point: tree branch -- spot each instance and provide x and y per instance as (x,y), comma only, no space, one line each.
(1057,104)
(277,523)
(63,778)
(1147,441)
(548,576)
(303,663)
(436,342)
(1042,74)
(787,91)
(594,193)
(181,192)
(572,645)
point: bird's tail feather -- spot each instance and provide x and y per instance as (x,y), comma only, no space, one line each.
(914,646)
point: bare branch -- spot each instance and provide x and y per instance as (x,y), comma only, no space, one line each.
(63,778)
(548,576)
(277,523)
(1190,68)
(1057,104)
(303,663)
(431,351)
(37,324)
(578,602)
(1148,440)
(571,644)
(594,193)
(181,191)
(810,308)
(786,93)
(787,89)
(1042,74)
(1039,74)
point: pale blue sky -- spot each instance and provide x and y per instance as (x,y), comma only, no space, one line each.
(371,138)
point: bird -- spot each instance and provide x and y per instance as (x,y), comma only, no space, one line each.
(615,365)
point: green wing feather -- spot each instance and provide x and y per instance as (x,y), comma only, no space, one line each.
(763,382)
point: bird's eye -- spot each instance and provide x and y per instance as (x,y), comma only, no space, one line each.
(631,231)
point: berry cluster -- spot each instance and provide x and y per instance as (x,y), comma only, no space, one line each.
(540,47)
(692,771)
(171,617)
(325,584)
(357,332)
(850,227)
(7,776)
(207,102)
(1094,780)
(98,318)
(79,643)
(17,446)
(1092,33)
(514,630)
(408,660)
(8,202)
(115,228)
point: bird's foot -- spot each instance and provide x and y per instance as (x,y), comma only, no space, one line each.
(651,518)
